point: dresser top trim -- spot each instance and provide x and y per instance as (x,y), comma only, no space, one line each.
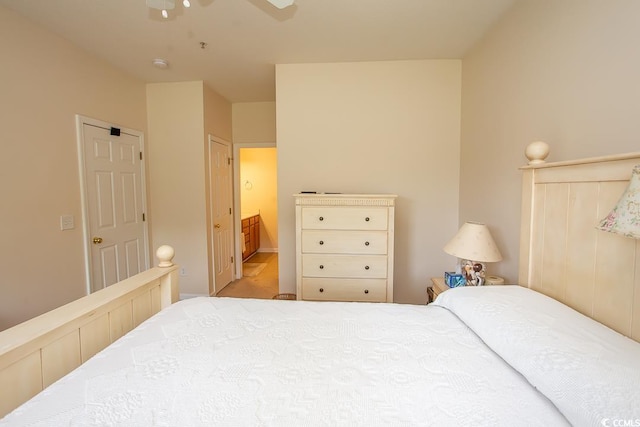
(312,199)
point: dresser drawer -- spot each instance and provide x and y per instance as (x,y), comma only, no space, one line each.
(356,266)
(344,218)
(344,242)
(344,289)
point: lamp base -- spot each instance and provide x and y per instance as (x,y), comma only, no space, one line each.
(473,271)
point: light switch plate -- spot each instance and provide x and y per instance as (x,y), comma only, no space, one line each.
(67,222)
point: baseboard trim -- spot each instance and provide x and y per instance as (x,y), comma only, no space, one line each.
(188,296)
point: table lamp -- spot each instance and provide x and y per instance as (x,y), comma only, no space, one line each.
(473,246)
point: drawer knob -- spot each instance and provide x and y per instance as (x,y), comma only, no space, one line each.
(366,291)
(321,289)
(366,243)
(367,219)
(366,267)
(321,218)
(321,242)
(321,266)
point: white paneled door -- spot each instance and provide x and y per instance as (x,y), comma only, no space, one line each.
(220,181)
(114,203)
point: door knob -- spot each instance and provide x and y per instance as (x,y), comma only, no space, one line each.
(97,240)
(216,225)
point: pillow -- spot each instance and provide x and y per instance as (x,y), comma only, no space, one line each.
(588,371)
(625,217)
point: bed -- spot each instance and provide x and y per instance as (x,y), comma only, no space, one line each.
(491,355)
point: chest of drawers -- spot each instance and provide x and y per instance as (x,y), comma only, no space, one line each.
(344,247)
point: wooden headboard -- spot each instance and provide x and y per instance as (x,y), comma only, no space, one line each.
(564,256)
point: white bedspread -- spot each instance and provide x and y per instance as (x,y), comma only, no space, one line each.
(237,362)
(590,372)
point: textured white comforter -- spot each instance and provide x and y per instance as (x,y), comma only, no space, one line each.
(589,372)
(237,362)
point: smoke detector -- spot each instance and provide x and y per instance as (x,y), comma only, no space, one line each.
(160,63)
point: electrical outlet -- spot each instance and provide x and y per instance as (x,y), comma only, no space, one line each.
(67,222)
(183,271)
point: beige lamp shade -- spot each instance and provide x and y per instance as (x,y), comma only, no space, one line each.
(624,219)
(474,242)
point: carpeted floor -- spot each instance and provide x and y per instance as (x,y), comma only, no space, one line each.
(251,269)
(263,285)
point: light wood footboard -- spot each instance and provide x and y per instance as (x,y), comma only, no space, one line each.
(41,350)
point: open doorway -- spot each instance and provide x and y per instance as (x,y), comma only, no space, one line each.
(256,209)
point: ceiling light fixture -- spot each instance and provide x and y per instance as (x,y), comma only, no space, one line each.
(281,4)
(166,5)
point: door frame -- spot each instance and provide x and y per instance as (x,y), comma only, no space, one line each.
(80,122)
(211,139)
(236,195)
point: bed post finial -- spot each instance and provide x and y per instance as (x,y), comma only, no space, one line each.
(536,152)
(165,254)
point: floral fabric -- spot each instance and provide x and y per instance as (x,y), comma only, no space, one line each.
(625,217)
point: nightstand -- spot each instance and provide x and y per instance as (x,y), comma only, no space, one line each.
(437,287)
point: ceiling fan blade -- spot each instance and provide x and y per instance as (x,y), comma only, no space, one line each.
(281,4)
(161,4)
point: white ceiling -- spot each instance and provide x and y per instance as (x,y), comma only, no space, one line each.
(245,38)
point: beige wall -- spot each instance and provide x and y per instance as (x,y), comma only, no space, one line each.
(259,192)
(562,71)
(44,82)
(376,127)
(218,115)
(180,116)
(176,170)
(254,122)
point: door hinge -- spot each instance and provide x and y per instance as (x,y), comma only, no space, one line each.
(143,217)
(228,160)
(229,211)
(141,155)
(231,260)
